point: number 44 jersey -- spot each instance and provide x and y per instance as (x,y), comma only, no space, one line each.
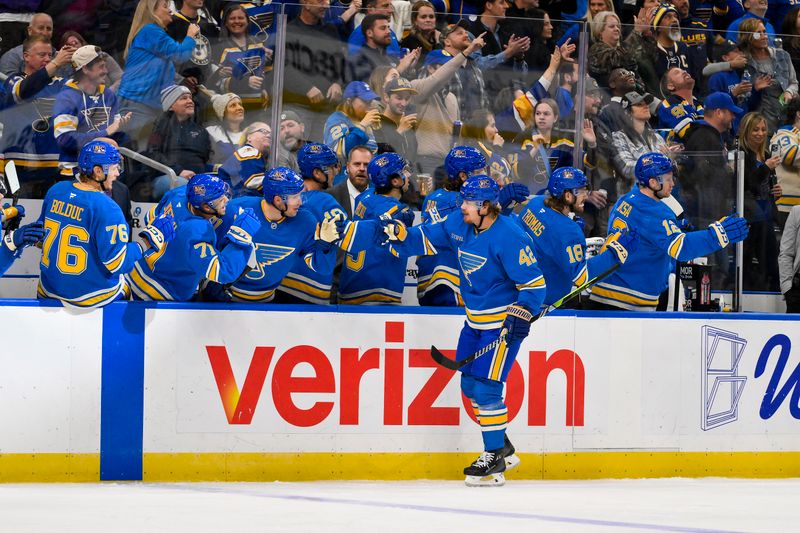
(85,249)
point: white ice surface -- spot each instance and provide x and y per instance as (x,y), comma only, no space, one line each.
(696,505)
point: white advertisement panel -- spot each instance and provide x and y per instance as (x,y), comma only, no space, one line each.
(50,382)
(246,381)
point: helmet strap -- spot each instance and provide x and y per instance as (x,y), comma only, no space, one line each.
(323,184)
(656,191)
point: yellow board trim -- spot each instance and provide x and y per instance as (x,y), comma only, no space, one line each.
(73,468)
(49,467)
(404,466)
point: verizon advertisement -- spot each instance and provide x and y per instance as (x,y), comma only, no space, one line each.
(283,381)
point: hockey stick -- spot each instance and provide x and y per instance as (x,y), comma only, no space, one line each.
(452,364)
(12,186)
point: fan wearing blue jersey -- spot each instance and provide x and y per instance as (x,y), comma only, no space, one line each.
(558,242)
(287,235)
(85,251)
(376,275)
(318,165)
(502,286)
(174,272)
(16,240)
(637,285)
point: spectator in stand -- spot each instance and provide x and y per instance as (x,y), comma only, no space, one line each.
(75,40)
(746,94)
(789,261)
(790,31)
(756,10)
(374,52)
(244,170)
(760,191)
(396,131)
(226,136)
(596,7)
(85,109)
(242,60)
(763,60)
(707,183)
(198,69)
(787,142)
(353,122)
(595,214)
(16,20)
(525,19)
(612,115)
(150,56)
(27,126)
(468,85)
(357,39)
(671,52)
(12,61)
(694,34)
(177,140)
(680,108)
(634,139)
(291,137)
(642,45)
(312,88)
(480,132)
(423,34)
(379,78)
(608,53)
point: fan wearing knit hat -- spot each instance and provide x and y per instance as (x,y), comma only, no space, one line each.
(228,134)
(671,52)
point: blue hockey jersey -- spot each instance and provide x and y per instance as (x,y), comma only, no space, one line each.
(437,275)
(341,135)
(637,284)
(497,265)
(7,258)
(244,171)
(372,275)
(278,245)
(304,282)
(80,118)
(85,249)
(558,244)
(174,272)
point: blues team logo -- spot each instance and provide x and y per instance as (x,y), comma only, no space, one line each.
(470,263)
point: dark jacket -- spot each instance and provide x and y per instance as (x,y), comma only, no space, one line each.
(179,145)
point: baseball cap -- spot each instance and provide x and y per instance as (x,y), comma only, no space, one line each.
(359,89)
(634,98)
(724,48)
(437,57)
(85,55)
(591,85)
(720,100)
(290,115)
(450,28)
(397,85)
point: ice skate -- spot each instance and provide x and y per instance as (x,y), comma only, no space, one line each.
(487,470)
(509,455)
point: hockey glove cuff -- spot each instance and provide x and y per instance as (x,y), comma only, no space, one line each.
(244,226)
(730,230)
(517,324)
(512,194)
(160,231)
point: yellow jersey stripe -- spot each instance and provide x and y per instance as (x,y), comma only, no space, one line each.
(212,272)
(622,297)
(252,297)
(376,297)
(582,277)
(114,264)
(144,286)
(676,246)
(306,288)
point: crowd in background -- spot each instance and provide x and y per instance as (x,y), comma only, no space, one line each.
(193,86)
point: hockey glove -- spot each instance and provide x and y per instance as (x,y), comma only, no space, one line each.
(580,222)
(159,232)
(593,246)
(25,236)
(331,229)
(730,229)
(406,216)
(623,243)
(11,216)
(512,194)
(244,226)
(393,231)
(517,324)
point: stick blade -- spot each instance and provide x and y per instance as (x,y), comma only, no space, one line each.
(443,360)
(12,177)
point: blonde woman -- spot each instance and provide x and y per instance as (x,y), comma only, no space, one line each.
(597,6)
(608,51)
(150,56)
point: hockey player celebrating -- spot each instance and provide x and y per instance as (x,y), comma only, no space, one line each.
(16,240)
(637,284)
(174,272)
(319,165)
(558,242)
(287,235)
(85,251)
(377,276)
(502,287)
(437,277)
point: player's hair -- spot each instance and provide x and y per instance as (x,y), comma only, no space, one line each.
(556,203)
(599,23)
(29,42)
(145,14)
(749,122)
(369,21)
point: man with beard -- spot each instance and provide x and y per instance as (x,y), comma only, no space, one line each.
(291,136)
(396,133)
(357,180)
(670,50)
(694,33)
(680,108)
(377,37)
